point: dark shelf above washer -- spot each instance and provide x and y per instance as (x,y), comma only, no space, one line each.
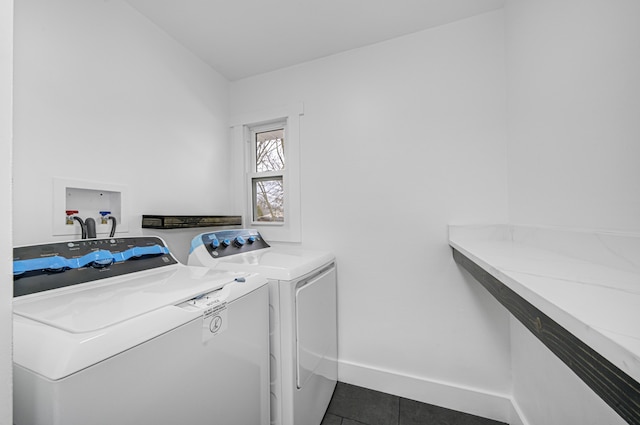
(189,221)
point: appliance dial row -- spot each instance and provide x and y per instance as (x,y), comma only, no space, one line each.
(238,242)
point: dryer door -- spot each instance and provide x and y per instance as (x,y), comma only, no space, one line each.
(316,333)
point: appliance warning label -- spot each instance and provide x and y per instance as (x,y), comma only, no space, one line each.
(214,317)
(214,321)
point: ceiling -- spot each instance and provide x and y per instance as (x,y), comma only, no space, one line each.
(241,38)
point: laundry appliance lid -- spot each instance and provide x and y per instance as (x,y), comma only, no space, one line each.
(278,263)
(60,333)
(98,305)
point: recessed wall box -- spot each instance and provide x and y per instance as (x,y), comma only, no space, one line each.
(88,199)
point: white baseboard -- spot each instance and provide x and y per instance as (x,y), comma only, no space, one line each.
(517,416)
(491,405)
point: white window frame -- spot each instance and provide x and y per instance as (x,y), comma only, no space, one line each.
(243,154)
(252,174)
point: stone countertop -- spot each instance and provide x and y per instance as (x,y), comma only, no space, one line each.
(588,282)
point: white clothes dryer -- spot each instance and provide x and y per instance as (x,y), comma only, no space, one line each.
(116,331)
(303,325)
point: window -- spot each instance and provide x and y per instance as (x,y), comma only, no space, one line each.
(267,178)
(266,172)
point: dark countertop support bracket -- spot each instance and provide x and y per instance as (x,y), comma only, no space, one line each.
(620,391)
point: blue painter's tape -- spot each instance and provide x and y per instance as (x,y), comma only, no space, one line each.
(139,251)
(101,257)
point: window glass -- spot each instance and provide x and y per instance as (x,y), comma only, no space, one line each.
(268,196)
(269,150)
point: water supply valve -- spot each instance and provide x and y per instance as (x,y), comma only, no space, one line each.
(104,217)
(70,214)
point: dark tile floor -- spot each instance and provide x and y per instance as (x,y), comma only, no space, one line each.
(352,405)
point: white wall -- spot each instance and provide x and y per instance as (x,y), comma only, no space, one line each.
(397,140)
(574,157)
(103,95)
(6,281)
(573,71)
(547,391)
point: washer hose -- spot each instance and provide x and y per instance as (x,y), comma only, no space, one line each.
(113,226)
(91,228)
(83,227)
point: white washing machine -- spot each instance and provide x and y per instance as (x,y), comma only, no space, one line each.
(116,331)
(302,287)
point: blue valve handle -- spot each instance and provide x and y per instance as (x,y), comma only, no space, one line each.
(101,257)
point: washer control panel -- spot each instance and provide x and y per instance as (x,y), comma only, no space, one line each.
(230,242)
(38,268)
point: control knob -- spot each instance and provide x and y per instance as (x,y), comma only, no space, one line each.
(239,241)
(226,242)
(215,244)
(101,264)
